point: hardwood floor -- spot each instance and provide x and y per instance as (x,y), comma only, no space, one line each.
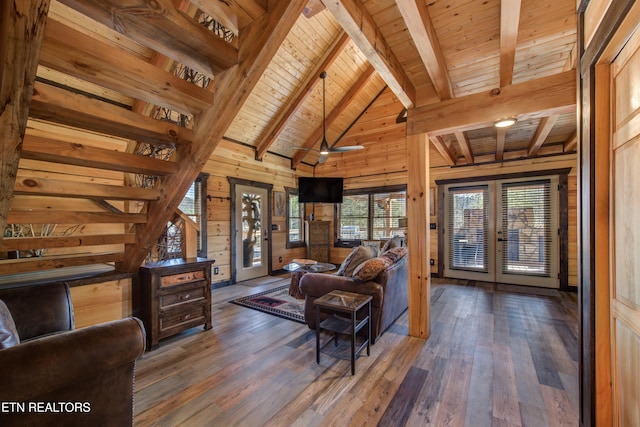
(495,358)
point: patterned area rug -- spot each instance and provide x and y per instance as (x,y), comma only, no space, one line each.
(276,301)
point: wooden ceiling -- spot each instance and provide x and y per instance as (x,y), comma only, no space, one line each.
(105,67)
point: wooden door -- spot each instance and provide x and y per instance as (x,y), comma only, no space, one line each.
(625,233)
(252,232)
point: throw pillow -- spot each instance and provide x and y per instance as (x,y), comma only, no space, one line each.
(370,269)
(394,242)
(395,254)
(357,256)
(8,333)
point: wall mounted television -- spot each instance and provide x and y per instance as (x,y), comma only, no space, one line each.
(320,190)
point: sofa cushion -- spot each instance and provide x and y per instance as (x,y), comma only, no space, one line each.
(394,242)
(395,254)
(357,256)
(8,333)
(370,269)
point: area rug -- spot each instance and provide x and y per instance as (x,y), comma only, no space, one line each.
(277,302)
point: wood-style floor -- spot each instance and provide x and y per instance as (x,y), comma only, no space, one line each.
(495,358)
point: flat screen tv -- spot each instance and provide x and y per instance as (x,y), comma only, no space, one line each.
(320,190)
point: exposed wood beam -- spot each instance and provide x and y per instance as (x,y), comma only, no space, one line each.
(554,94)
(329,57)
(25,265)
(61,106)
(312,8)
(571,143)
(545,126)
(443,150)
(416,17)
(73,217)
(22,24)
(82,190)
(157,25)
(353,92)
(509,24)
(28,243)
(501,134)
(69,153)
(358,23)
(72,52)
(465,147)
(258,43)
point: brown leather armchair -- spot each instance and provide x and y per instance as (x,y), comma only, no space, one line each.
(66,377)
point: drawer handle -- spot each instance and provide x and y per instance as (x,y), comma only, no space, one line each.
(187,317)
(184,297)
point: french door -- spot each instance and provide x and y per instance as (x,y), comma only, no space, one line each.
(251,238)
(503,231)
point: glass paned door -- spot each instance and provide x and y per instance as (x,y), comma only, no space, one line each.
(251,233)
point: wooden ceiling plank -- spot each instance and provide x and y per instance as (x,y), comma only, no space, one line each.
(545,126)
(63,107)
(72,52)
(22,29)
(443,149)
(68,153)
(82,190)
(48,216)
(258,43)
(571,143)
(465,147)
(353,92)
(156,27)
(28,243)
(328,58)
(501,134)
(555,94)
(509,24)
(358,23)
(416,17)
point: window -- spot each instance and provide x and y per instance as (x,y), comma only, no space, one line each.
(369,214)
(193,206)
(295,219)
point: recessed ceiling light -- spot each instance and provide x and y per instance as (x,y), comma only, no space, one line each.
(505,123)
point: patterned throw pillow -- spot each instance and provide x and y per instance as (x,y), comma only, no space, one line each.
(394,242)
(395,254)
(357,256)
(8,333)
(370,269)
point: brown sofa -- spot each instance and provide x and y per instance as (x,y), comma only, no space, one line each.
(389,290)
(53,375)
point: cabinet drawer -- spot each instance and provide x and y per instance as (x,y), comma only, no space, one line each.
(175,279)
(185,296)
(194,314)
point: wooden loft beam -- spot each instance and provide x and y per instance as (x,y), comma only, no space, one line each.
(571,143)
(63,107)
(72,52)
(68,153)
(312,8)
(465,147)
(28,243)
(545,126)
(416,17)
(509,24)
(27,185)
(258,43)
(358,23)
(47,216)
(329,57)
(545,96)
(163,28)
(353,92)
(22,24)
(233,15)
(52,262)
(443,150)
(501,135)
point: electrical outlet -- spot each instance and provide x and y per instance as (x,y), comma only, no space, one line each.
(432,261)
(280,259)
(216,270)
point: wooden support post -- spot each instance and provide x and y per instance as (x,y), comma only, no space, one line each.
(419,236)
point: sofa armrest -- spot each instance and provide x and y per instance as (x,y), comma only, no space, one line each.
(315,285)
(61,365)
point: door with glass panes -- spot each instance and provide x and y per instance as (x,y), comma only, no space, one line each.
(503,231)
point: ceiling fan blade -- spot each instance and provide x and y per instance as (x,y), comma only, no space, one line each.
(346,148)
(322,158)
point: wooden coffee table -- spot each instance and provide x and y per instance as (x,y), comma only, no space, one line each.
(340,302)
(298,269)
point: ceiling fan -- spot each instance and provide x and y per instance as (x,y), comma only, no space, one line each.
(325,149)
